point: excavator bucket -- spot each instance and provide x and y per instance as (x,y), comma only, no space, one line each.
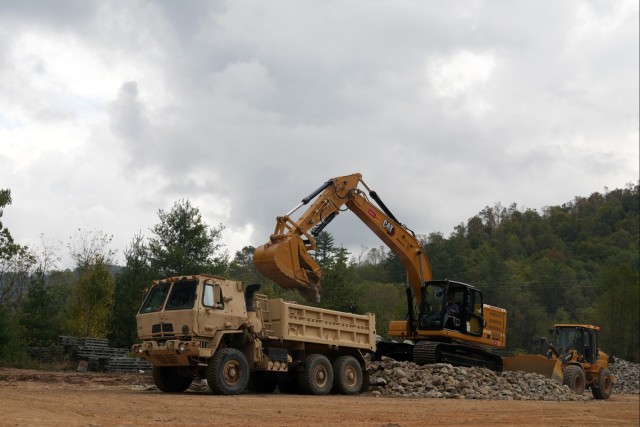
(535,363)
(287,263)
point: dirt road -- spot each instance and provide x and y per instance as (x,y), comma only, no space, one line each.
(35,398)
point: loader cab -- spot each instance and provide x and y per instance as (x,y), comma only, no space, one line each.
(583,339)
(441,295)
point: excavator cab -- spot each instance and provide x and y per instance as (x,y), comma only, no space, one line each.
(451,305)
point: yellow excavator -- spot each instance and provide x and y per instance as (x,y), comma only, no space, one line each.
(431,333)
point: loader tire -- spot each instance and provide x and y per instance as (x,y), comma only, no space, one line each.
(317,375)
(573,376)
(347,375)
(169,380)
(602,390)
(228,372)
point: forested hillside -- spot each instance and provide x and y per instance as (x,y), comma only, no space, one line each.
(578,262)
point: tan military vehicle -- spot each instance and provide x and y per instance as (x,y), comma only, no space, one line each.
(225,332)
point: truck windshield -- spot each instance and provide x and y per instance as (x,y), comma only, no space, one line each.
(155,298)
(183,295)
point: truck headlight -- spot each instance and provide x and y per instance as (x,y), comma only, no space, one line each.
(184,347)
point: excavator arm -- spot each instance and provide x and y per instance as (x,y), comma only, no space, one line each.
(285,259)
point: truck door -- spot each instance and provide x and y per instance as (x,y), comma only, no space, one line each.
(211,310)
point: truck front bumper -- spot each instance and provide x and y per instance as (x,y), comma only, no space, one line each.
(168,353)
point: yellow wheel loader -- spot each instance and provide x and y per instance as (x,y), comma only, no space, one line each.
(572,358)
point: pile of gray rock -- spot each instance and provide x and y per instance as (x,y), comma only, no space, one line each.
(627,377)
(392,378)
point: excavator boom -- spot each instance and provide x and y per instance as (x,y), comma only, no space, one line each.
(285,258)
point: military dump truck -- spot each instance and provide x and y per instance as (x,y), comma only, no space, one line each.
(225,332)
(572,358)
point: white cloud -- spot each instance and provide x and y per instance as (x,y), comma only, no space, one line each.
(459,73)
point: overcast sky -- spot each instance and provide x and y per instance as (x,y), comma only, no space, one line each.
(110,111)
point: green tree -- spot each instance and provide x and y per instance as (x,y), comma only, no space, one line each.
(339,291)
(130,285)
(185,244)
(325,249)
(7,246)
(241,266)
(15,263)
(388,301)
(618,311)
(91,300)
(38,313)
(41,312)
(91,294)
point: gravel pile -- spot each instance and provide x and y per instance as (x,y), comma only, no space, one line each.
(627,377)
(392,378)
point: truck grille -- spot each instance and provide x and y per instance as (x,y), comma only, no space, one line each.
(159,328)
(166,359)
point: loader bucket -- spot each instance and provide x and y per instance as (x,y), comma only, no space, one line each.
(535,363)
(287,263)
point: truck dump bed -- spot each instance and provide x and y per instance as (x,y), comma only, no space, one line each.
(294,322)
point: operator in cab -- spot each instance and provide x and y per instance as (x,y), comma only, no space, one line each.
(452,311)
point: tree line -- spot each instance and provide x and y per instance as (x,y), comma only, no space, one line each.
(578,262)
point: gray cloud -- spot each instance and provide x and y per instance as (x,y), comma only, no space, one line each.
(246,107)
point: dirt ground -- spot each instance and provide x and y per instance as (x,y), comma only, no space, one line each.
(37,398)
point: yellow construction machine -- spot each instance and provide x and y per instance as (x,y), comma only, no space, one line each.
(430,334)
(572,358)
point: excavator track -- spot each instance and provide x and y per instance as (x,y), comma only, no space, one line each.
(426,352)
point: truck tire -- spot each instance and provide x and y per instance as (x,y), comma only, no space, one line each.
(317,375)
(263,382)
(169,380)
(602,390)
(573,376)
(228,372)
(347,375)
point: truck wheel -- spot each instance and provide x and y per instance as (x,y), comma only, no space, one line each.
(347,375)
(317,375)
(228,372)
(573,376)
(169,380)
(263,382)
(604,386)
